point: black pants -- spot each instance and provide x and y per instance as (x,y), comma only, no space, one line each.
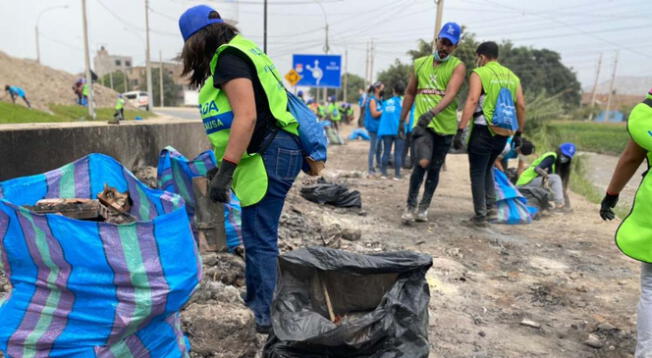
(433,147)
(483,151)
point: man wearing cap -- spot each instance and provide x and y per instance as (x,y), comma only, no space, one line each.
(433,88)
(255,137)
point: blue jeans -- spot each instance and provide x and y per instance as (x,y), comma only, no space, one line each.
(374,151)
(283,160)
(398,143)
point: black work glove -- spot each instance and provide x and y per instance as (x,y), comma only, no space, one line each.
(606,207)
(458,143)
(221,182)
(425,119)
(517,140)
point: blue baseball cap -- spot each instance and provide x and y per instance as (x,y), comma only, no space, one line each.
(568,149)
(451,31)
(195,19)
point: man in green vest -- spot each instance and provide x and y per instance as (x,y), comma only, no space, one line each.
(244,108)
(634,235)
(487,81)
(433,88)
(333,113)
(119,108)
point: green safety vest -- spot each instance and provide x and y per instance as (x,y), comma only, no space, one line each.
(495,76)
(431,88)
(334,112)
(119,104)
(250,177)
(321,111)
(85,90)
(634,235)
(530,174)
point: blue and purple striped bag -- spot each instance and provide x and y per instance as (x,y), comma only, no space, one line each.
(94,289)
(175,173)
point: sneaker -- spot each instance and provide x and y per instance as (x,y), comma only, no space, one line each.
(492,214)
(384,177)
(397,178)
(422,216)
(408,216)
(479,221)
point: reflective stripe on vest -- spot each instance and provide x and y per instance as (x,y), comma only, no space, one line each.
(634,235)
(250,177)
(431,87)
(530,173)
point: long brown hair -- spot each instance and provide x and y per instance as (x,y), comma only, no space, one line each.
(198,51)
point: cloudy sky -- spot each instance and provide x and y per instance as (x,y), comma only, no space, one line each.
(580,30)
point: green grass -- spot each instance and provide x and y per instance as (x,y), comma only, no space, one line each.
(10,113)
(605,138)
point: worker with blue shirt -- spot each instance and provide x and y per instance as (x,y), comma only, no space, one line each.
(17,92)
(512,151)
(388,131)
(373,110)
(553,169)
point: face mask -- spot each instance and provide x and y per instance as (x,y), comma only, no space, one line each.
(564,159)
(439,59)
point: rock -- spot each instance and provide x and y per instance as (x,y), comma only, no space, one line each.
(224,330)
(216,291)
(146,175)
(351,234)
(530,323)
(606,326)
(594,341)
(224,267)
(482,334)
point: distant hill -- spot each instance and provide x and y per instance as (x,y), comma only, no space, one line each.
(44,85)
(625,85)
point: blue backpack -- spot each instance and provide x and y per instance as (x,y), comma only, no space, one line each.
(504,120)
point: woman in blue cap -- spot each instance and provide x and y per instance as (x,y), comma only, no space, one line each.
(553,168)
(245,113)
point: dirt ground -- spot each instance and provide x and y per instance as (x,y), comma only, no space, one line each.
(563,272)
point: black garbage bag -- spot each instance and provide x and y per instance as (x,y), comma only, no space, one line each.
(380,304)
(334,194)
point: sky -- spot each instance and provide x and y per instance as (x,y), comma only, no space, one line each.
(580,30)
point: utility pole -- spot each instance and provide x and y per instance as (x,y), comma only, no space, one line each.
(346,74)
(438,19)
(595,87)
(147,59)
(87,63)
(611,87)
(371,62)
(160,78)
(38,47)
(265,26)
(366,67)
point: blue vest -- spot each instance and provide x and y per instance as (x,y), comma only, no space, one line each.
(390,117)
(371,123)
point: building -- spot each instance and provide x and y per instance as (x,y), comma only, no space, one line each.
(104,63)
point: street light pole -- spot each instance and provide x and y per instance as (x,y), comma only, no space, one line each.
(38,19)
(87,63)
(148,66)
(265,27)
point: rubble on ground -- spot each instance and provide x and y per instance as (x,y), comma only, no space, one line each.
(147,175)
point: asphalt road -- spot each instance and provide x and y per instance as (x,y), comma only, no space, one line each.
(179,112)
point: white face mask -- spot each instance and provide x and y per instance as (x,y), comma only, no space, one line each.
(564,159)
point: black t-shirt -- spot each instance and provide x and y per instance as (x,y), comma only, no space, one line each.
(233,64)
(547,163)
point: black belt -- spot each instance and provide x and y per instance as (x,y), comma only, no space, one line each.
(648,101)
(477,114)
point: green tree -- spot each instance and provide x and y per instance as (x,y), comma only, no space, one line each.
(171,90)
(397,72)
(119,83)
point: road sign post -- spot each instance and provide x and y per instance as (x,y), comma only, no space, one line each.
(322,71)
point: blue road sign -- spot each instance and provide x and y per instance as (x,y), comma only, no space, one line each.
(318,70)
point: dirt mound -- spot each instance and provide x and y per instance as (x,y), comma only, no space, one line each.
(44,85)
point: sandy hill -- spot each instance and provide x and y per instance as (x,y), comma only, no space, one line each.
(44,85)
(626,85)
